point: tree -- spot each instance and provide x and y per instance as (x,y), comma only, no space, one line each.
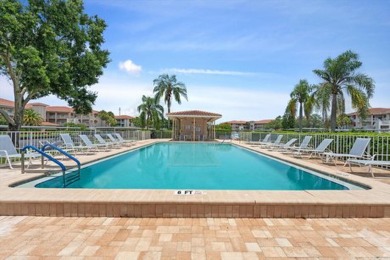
(50,47)
(315,121)
(151,112)
(275,124)
(339,75)
(137,121)
(288,121)
(2,120)
(321,97)
(301,95)
(224,127)
(343,121)
(167,86)
(31,118)
(109,117)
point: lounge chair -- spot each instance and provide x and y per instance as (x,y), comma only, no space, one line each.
(126,142)
(69,144)
(265,141)
(114,140)
(235,136)
(101,140)
(369,162)
(319,150)
(303,145)
(8,151)
(284,147)
(275,143)
(88,143)
(357,151)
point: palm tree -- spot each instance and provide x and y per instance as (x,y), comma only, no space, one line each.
(168,87)
(339,75)
(31,118)
(321,97)
(150,112)
(301,95)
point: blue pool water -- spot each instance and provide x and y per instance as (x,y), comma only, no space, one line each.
(199,166)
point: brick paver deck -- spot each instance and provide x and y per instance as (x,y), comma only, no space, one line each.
(186,238)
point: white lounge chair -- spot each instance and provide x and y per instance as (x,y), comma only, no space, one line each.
(275,143)
(357,151)
(319,150)
(69,144)
(126,142)
(284,147)
(303,145)
(101,140)
(369,162)
(9,152)
(93,146)
(114,140)
(265,140)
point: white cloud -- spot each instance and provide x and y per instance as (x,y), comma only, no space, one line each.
(130,67)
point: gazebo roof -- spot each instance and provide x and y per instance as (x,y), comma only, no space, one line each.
(194,114)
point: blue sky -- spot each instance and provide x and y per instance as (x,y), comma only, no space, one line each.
(237,58)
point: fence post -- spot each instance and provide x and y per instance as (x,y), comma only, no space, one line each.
(22,161)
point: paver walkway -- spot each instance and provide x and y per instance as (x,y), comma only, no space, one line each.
(172,238)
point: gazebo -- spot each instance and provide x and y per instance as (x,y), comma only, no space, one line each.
(193,125)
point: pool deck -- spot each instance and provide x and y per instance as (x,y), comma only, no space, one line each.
(372,203)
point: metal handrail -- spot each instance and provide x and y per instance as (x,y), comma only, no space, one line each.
(67,155)
(61,151)
(51,158)
(63,168)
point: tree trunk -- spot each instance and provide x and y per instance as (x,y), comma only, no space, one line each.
(300,116)
(333,114)
(169,111)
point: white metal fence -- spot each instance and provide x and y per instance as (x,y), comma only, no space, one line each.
(380,143)
(35,138)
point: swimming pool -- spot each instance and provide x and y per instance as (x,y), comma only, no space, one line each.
(197,166)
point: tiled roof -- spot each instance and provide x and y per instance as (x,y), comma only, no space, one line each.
(264,121)
(374,111)
(6,103)
(38,104)
(236,122)
(62,109)
(196,113)
(124,117)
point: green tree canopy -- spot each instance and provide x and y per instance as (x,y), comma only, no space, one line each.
(340,75)
(168,87)
(109,117)
(151,113)
(275,124)
(50,47)
(300,95)
(224,127)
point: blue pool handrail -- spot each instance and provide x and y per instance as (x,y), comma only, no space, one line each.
(48,156)
(61,151)
(51,158)
(71,179)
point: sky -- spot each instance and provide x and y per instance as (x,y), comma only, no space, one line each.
(238,58)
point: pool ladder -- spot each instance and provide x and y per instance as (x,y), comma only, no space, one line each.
(66,178)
